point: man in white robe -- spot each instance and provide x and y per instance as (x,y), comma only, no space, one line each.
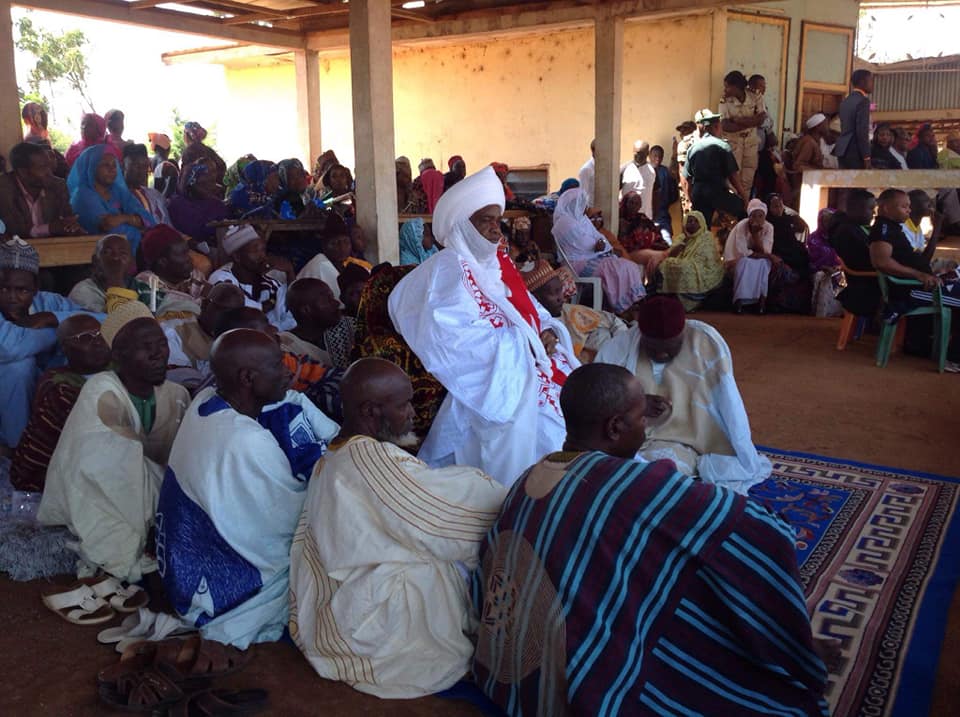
(697,418)
(233,493)
(466,313)
(379,564)
(105,473)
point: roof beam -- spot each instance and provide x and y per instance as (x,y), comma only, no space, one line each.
(120,11)
(285,14)
(517,18)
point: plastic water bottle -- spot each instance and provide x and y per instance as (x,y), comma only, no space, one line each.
(286,211)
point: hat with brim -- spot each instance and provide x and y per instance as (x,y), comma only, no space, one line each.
(686,127)
(706,116)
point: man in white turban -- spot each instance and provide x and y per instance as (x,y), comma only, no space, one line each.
(468,316)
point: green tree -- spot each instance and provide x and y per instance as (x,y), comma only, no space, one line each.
(59,59)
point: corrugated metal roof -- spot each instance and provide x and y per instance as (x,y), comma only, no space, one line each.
(918,90)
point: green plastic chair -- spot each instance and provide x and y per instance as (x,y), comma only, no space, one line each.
(941,322)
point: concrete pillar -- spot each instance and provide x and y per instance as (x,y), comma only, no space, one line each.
(371,70)
(11,129)
(608,97)
(718,58)
(307,64)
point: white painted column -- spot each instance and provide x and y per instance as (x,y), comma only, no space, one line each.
(307,64)
(371,69)
(11,129)
(608,52)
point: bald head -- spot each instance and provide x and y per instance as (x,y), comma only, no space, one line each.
(86,350)
(221,298)
(376,396)
(248,365)
(312,303)
(603,407)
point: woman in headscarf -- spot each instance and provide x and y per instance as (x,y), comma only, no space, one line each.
(432,182)
(253,197)
(639,237)
(93,129)
(292,188)
(233,176)
(416,246)
(790,284)
(748,256)
(196,204)
(824,262)
(193,136)
(693,267)
(591,254)
(880,155)
(99,196)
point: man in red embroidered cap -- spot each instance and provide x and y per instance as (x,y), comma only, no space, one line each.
(179,286)
(697,418)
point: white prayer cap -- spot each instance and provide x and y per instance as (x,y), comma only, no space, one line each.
(816,119)
(465,198)
(239,236)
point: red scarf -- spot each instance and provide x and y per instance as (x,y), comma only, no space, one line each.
(520,298)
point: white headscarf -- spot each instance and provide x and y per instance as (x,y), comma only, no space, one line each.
(572,229)
(453,229)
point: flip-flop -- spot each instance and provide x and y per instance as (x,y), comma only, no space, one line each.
(80,605)
(160,627)
(222,703)
(124,629)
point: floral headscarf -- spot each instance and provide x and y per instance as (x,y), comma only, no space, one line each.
(193,132)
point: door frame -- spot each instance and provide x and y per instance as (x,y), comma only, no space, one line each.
(780,21)
(802,83)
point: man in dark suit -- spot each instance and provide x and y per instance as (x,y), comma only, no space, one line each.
(34,203)
(853,146)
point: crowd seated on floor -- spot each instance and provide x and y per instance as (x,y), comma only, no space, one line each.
(401,464)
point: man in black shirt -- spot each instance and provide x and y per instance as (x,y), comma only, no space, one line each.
(710,165)
(892,253)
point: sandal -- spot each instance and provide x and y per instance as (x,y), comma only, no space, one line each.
(220,703)
(123,599)
(193,659)
(142,691)
(80,605)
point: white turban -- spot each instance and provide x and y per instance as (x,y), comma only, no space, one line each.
(238,237)
(816,119)
(755,205)
(454,230)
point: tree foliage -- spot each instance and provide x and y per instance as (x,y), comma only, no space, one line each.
(59,59)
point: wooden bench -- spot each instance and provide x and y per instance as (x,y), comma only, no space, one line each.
(65,251)
(818,182)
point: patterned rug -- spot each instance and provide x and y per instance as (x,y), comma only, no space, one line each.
(878,552)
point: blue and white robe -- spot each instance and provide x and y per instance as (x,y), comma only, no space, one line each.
(228,508)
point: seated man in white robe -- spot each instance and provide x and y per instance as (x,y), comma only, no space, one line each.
(105,473)
(190,339)
(377,569)
(697,418)
(234,491)
(466,313)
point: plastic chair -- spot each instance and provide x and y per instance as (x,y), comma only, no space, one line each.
(852,326)
(592,281)
(941,322)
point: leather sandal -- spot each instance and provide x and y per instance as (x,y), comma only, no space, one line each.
(220,703)
(192,659)
(144,690)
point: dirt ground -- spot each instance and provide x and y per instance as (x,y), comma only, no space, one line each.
(801,395)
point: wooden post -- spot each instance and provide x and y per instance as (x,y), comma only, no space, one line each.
(371,69)
(307,64)
(11,129)
(608,97)
(718,58)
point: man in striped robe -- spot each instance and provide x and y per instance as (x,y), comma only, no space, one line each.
(612,587)
(378,565)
